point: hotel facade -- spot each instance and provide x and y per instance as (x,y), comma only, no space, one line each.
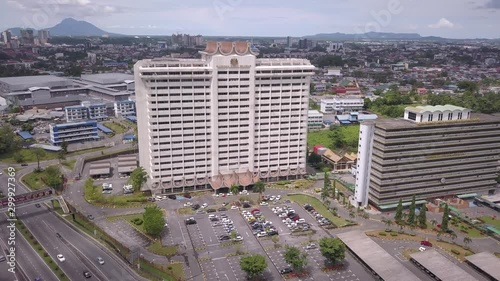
(227,118)
(434,152)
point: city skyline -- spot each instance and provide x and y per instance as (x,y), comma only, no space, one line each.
(449,19)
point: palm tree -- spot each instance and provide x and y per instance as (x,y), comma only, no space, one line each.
(467,240)
(259,187)
(434,222)
(39,153)
(389,223)
(453,235)
(234,189)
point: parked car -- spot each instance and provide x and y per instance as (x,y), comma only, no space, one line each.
(100,260)
(286,270)
(224,237)
(211,210)
(311,246)
(234,208)
(238,238)
(190,221)
(58,235)
(38,205)
(87,274)
(262,234)
(264,203)
(426,243)
(90,217)
(196,206)
(188,204)
(222,209)
(421,249)
(173,197)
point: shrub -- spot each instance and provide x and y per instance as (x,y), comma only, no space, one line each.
(169,267)
(56,269)
(45,254)
(31,236)
(382,234)
(40,248)
(455,252)
(137,221)
(61,275)
(394,234)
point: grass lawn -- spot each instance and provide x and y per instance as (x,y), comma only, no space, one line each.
(29,157)
(172,272)
(471,231)
(492,221)
(69,163)
(158,249)
(325,137)
(34,180)
(41,252)
(319,207)
(116,127)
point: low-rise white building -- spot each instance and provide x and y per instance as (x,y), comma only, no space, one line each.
(124,108)
(86,111)
(340,105)
(314,120)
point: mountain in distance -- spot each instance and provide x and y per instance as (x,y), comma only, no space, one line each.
(372,36)
(72,27)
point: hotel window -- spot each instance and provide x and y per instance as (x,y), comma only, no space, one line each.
(459,115)
(450,116)
(440,117)
(430,117)
(412,116)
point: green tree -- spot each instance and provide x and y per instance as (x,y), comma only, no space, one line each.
(467,240)
(138,178)
(64,147)
(259,187)
(276,240)
(253,265)
(333,249)
(411,213)
(53,177)
(398,217)
(39,153)
(61,155)
(388,223)
(6,137)
(154,222)
(445,219)
(18,157)
(294,257)
(314,159)
(235,189)
(233,234)
(422,217)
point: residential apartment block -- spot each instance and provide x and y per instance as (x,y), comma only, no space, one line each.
(227,118)
(341,105)
(73,132)
(435,151)
(315,120)
(85,112)
(124,108)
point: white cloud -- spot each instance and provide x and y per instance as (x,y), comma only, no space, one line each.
(83,2)
(442,23)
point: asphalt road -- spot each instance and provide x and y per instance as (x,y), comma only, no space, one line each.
(28,261)
(80,251)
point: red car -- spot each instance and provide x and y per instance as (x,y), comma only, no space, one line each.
(426,243)
(254,210)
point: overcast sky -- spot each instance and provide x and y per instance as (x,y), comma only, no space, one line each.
(446,18)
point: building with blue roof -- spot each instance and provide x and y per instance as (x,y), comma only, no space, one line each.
(25,135)
(73,132)
(354,118)
(132,119)
(104,129)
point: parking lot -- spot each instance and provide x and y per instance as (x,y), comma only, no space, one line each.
(216,255)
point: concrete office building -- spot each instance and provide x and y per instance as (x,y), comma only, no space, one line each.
(227,118)
(341,105)
(73,132)
(434,151)
(86,111)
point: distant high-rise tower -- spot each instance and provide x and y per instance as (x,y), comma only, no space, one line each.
(6,36)
(43,36)
(27,37)
(289,41)
(227,118)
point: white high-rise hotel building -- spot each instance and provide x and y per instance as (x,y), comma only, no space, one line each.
(227,118)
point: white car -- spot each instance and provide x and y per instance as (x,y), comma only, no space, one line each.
(263,204)
(262,234)
(301,221)
(421,249)
(278,197)
(61,258)
(238,238)
(188,204)
(100,260)
(158,198)
(234,208)
(204,205)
